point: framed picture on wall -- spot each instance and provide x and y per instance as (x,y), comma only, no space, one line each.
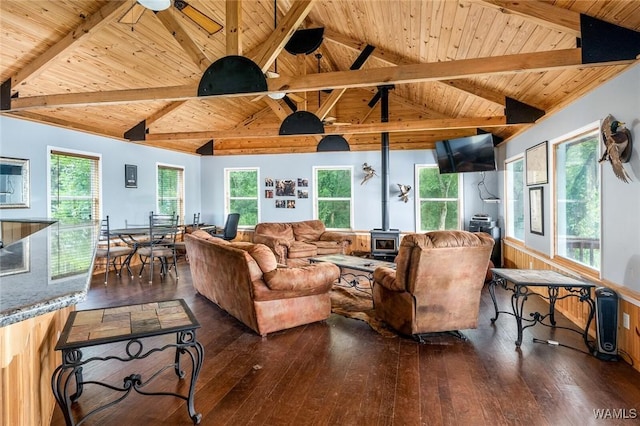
(130,176)
(536,162)
(14,183)
(536,212)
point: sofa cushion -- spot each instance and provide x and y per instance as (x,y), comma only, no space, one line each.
(264,257)
(327,247)
(300,249)
(300,279)
(278,230)
(308,230)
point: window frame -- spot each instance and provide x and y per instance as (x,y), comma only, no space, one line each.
(316,191)
(418,200)
(181,191)
(553,187)
(507,198)
(227,193)
(97,209)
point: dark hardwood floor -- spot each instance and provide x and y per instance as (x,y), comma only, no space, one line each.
(341,372)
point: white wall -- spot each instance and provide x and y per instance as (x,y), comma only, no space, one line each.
(620,201)
(24,139)
(367,197)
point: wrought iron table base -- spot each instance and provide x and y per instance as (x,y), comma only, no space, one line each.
(72,366)
(520,295)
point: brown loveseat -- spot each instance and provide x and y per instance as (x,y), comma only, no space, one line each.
(436,284)
(296,240)
(245,280)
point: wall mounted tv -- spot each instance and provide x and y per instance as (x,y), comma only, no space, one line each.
(469,154)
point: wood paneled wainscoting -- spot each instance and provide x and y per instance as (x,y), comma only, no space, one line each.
(518,256)
(27,360)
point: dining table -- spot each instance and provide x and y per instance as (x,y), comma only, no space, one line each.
(138,236)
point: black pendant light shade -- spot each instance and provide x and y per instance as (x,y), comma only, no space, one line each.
(301,123)
(333,143)
(232,74)
(305,41)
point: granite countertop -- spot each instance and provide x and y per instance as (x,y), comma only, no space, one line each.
(46,271)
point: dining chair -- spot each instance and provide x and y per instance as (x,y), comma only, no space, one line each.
(112,254)
(181,249)
(161,245)
(230,227)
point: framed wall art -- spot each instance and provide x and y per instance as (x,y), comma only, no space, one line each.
(14,183)
(536,210)
(536,163)
(130,176)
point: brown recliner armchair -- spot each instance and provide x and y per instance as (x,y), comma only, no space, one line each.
(437,283)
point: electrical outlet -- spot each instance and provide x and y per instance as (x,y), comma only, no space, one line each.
(625,320)
(530,264)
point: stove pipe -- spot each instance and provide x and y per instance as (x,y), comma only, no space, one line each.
(384,151)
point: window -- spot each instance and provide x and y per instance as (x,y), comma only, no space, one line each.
(334,196)
(439,199)
(74,186)
(515,196)
(577,193)
(241,189)
(170,189)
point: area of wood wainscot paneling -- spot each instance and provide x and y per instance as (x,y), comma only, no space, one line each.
(518,256)
(27,360)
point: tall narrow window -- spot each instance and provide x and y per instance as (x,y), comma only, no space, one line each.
(74,192)
(514,183)
(577,233)
(241,190)
(170,197)
(438,199)
(334,196)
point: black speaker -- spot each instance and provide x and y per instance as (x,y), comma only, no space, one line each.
(606,324)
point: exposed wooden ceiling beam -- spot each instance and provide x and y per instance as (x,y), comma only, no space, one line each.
(65,124)
(107,14)
(283,32)
(395,126)
(509,64)
(170,22)
(233,25)
(541,13)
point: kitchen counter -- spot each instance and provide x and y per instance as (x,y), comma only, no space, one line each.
(47,270)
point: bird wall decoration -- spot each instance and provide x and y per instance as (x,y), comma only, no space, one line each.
(618,146)
(369,172)
(404,192)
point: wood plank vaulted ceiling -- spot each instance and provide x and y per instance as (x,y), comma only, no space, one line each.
(453,66)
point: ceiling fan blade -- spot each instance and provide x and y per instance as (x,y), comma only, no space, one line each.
(290,103)
(296,98)
(206,23)
(132,16)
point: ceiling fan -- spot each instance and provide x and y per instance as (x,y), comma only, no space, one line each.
(203,21)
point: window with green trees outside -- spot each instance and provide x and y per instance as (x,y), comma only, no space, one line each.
(577,170)
(171,191)
(334,196)
(241,189)
(515,184)
(74,193)
(438,199)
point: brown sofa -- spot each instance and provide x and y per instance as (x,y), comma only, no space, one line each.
(245,280)
(297,240)
(436,284)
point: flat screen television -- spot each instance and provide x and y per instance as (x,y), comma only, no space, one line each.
(469,154)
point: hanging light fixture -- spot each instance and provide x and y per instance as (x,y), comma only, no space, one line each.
(330,142)
(276,95)
(155,5)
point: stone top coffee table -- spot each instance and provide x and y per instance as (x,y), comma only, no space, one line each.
(353,263)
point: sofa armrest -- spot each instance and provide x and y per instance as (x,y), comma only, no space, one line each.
(278,245)
(316,276)
(386,277)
